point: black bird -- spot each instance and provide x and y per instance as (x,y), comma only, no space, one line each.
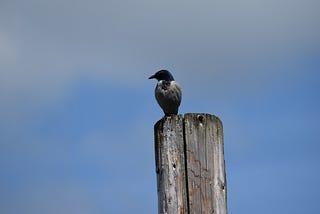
(168,92)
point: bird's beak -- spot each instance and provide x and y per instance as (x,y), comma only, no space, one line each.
(152,77)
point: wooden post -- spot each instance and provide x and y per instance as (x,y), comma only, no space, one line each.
(190,166)
(170,165)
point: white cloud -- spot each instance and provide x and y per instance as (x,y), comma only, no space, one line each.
(46,45)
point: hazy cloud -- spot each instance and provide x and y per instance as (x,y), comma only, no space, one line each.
(56,121)
(125,38)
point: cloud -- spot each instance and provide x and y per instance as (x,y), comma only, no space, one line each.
(56,127)
(123,38)
(47,46)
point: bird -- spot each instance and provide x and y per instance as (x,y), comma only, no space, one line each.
(167,92)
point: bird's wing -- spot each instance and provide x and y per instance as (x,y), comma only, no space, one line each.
(178,92)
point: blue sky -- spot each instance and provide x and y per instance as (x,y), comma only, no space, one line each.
(77,110)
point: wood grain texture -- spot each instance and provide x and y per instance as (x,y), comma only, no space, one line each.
(170,165)
(206,178)
(190,165)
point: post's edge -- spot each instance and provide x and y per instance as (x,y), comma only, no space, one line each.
(157,124)
(163,130)
(166,118)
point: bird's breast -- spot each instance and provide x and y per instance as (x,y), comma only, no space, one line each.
(168,94)
(168,91)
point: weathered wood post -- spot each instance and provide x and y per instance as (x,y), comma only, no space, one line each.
(190,165)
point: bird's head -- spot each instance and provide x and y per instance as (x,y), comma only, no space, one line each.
(162,75)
